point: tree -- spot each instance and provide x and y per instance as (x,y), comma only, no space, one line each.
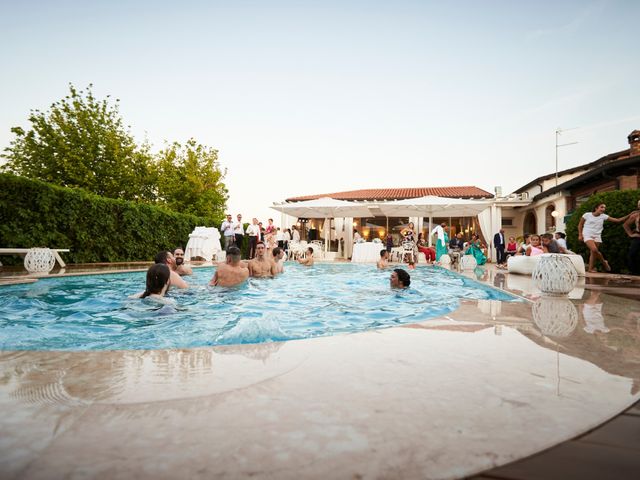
(190,180)
(82,142)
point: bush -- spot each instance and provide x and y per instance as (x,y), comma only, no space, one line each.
(96,229)
(615,242)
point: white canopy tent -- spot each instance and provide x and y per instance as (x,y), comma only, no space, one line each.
(431,206)
(325,208)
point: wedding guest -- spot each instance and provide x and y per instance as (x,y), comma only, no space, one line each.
(590,232)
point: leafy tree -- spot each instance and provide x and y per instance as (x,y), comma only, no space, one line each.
(190,180)
(82,142)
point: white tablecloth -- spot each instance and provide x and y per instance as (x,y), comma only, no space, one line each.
(203,242)
(366,252)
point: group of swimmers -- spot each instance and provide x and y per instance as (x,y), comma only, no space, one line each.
(169,268)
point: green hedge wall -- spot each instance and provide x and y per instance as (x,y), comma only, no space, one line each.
(96,229)
(615,242)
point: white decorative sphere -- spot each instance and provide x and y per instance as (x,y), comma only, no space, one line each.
(555,316)
(468,262)
(555,274)
(39,260)
(445,259)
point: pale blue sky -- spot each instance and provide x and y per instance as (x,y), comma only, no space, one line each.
(312,97)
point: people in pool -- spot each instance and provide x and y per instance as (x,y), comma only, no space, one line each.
(167,259)
(308,260)
(181,268)
(384,259)
(231,273)
(261,266)
(399,278)
(158,282)
(278,257)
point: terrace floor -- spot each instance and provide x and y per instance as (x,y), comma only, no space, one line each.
(477,393)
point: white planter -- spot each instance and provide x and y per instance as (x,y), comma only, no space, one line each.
(554,274)
(39,260)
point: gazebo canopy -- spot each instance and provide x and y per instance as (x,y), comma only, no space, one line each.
(431,206)
(323,208)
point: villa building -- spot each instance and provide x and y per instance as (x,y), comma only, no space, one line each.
(542,205)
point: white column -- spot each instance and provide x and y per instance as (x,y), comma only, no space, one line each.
(430,229)
(348,236)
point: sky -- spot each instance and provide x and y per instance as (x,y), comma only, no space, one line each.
(324,96)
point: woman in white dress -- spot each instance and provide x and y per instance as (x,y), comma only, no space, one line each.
(590,232)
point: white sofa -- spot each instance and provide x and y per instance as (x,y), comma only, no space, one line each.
(525,265)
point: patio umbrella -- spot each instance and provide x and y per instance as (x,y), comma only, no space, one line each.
(323,208)
(432,206)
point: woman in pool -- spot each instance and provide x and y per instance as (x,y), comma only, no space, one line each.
(475,249)
(590,232)
(158,277)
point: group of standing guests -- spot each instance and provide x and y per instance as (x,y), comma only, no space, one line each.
(234,234)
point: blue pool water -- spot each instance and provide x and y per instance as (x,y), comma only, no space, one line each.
(94,313)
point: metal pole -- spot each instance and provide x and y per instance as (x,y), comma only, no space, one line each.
(557,133)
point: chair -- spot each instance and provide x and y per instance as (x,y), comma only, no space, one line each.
(408,248)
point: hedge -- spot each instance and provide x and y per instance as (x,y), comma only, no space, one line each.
(96,229)
(615,242)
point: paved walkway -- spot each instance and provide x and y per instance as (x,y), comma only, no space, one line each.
(611,452)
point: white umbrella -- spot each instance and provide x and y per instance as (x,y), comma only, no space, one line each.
(432,206)
(323,208)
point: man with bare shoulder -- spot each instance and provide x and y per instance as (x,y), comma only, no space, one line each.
(231,273)
(308,260)
(181,269)
(278,257)
(176,280)
(261,266)
(384,259)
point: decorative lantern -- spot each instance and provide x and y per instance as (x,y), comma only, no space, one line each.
(39,260)
(554,274)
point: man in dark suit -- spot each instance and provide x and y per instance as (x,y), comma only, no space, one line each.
(499,243)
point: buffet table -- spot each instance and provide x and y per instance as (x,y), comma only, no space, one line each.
(366,252)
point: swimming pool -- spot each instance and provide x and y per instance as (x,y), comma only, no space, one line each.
(94,313)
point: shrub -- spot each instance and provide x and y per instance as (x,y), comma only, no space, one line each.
(96,229)
(615,242)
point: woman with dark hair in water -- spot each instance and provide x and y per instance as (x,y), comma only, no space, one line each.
(158,277)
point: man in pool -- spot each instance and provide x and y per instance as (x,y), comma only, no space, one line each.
(278,257)
(231,273)
(384,259)
(399,278)
(167,258)
(261,266)
(181,269)
(308,260)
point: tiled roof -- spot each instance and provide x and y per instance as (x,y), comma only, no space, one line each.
(373,194)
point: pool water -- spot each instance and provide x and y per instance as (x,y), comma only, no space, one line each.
(94,313)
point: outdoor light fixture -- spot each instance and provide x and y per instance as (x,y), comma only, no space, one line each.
(555,214)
